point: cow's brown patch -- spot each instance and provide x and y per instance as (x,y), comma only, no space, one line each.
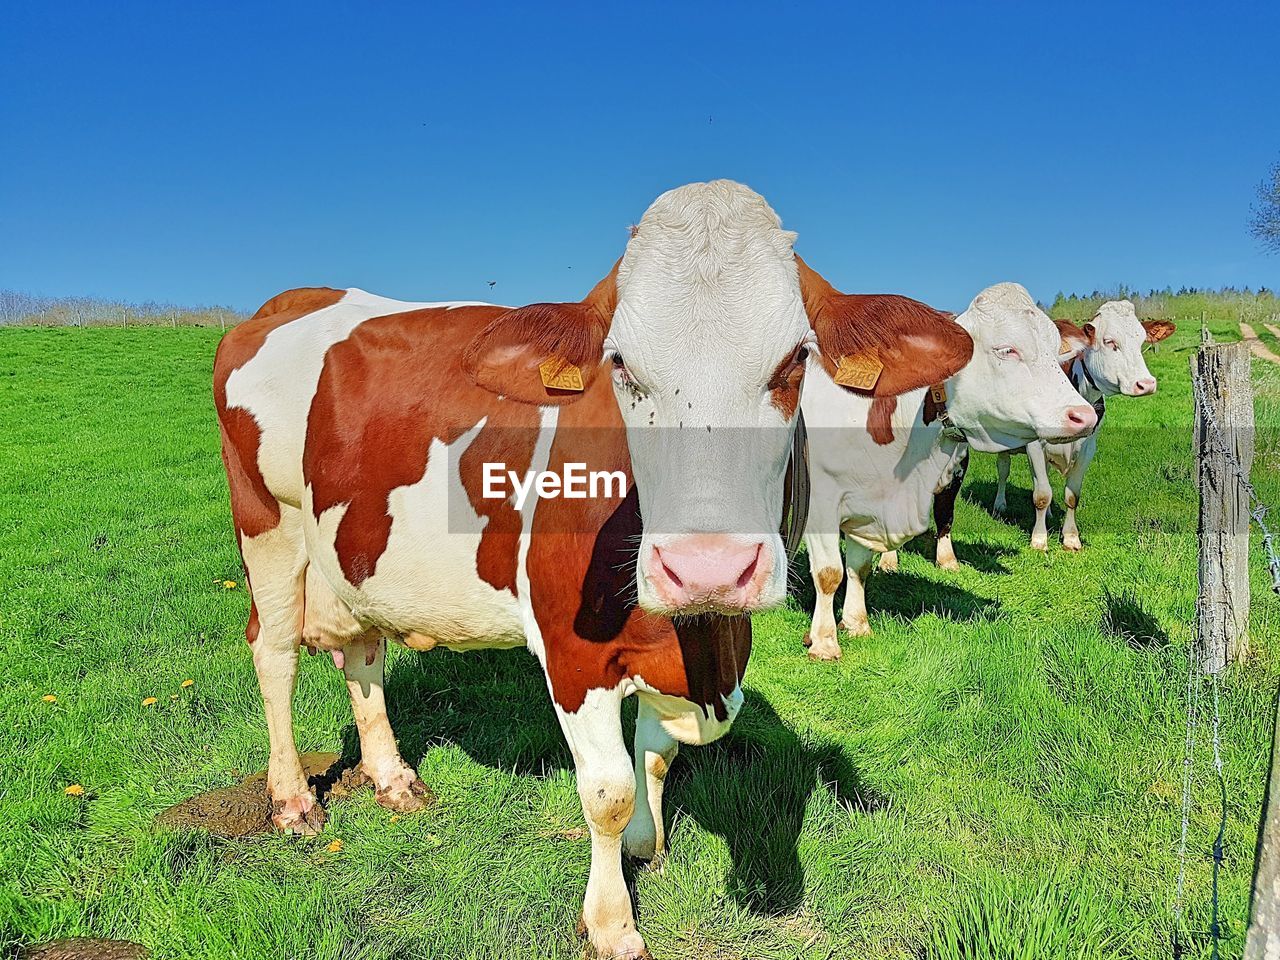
(85,948)
(253,508)
(784,383)
(385,393)
(582,566)
(917,344)
(880,419)
(829,579)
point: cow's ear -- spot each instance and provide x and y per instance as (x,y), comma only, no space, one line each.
(1157,330)
(882,345)
(1091,333)
(545,353)
(1073,340)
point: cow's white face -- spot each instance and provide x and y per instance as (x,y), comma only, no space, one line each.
(707,346)
(1113,355)
(1013,390)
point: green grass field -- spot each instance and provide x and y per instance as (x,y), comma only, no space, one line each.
(995,774)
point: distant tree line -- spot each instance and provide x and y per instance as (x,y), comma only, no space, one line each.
(1185,302)
(17,308)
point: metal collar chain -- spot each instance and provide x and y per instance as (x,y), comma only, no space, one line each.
(938,393)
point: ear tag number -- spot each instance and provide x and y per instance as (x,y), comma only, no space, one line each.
(861,371)
(559,374)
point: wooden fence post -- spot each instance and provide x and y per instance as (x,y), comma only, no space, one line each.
(1220,373)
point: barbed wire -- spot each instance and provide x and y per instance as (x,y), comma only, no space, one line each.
(1213,436)
(1257,509)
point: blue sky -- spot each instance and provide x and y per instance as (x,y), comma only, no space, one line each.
(220,155)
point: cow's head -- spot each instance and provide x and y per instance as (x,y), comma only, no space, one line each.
(1013,391)
(1110,347)
(704,329)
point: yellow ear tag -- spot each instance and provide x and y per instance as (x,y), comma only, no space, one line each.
(861,371)
(560,374)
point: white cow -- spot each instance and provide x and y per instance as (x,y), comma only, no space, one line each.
(876,464)
(1103,358)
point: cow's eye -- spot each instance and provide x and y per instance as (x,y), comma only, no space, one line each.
(791,370)
(1109,342)
(624,375)
(1007,352)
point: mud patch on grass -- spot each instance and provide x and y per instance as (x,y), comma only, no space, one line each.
(85,948)
(245,809)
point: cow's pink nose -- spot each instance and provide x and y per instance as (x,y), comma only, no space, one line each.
(706,570)
(1080,419)
(1144,386)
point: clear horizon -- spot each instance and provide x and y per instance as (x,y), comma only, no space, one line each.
(218,157)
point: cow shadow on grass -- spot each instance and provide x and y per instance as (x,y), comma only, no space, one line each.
(983,557)
(904,594)
(751,787)
(1019,510)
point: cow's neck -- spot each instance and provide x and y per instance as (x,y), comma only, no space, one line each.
(1087,388)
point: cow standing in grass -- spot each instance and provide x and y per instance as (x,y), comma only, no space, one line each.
(1104,359)
(877,464)
(356,432)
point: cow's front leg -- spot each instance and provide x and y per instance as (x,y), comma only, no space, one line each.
(607,788)
(824,565)
(1041,495)
(857,568)
(645,837)
(396,783)
(1003,460)
(944,513)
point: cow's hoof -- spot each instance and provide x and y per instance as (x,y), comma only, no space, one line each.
(856,627)
(949,564)
(640,842)
(1041,545)
(1000,506)
(1071,543)
(889,562)
(627,946)
(302,815)
(406,798)
(826,650)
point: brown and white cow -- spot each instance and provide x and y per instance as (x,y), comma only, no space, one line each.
(1104,359)
(358,436)
(877,464)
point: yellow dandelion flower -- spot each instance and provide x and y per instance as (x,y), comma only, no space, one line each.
(173,696)
(335,846)
(228,584)
(395,817)
(74,790)
(49,698)
(150,701)
(187,683)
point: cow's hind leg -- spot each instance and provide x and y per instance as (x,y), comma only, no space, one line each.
(645,837)
(275,562)
(857,568)
(1003,461)
(396,783)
